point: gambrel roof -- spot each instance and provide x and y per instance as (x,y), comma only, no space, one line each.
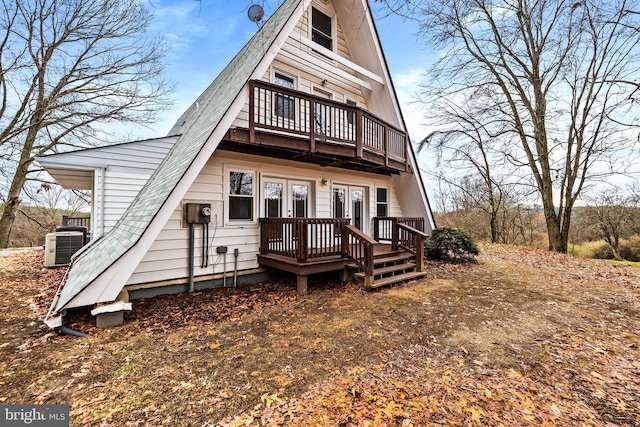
(197,126)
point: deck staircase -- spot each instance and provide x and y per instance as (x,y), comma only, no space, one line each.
(390,267)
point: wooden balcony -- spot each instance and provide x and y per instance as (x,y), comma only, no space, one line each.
(306,246)
(286,123)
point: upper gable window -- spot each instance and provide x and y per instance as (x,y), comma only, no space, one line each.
(283,103)
(321,29)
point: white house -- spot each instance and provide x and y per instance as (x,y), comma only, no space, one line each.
(296,157)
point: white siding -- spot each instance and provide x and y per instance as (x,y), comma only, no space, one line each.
(120,188)
(138,155)
(167,259)
(292,61)
(117,173)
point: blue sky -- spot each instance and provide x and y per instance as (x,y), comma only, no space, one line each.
(204,35)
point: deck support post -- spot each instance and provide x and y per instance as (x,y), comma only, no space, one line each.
(368,281)
(302,285)
(345,276)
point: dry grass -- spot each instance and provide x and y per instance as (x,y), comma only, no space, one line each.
(523,337)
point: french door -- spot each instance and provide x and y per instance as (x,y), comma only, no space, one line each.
(349,201)
(283,198)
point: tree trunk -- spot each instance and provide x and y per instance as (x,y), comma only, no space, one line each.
(558,237)
(17,184)
(493,224)
(10,208)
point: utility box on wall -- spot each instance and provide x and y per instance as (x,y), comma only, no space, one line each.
(197,213)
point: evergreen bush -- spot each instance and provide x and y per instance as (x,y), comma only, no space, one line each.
(450,244)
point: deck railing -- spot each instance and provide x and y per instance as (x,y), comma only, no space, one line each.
(358,247)
(384,227)
(290,112)
(305,239)
(77,221)
(412,240)
(302,238)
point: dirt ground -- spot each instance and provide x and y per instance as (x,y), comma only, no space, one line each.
(521,338)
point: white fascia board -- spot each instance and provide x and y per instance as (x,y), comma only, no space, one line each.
(344,61)
(60,164)
(421,187)
(95,292)
(102,289)
(323,66)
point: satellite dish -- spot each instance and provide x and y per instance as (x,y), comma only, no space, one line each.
(255,13)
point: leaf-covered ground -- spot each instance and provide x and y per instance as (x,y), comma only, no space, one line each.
(522,338)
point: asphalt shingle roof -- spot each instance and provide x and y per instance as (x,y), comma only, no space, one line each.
(195,127)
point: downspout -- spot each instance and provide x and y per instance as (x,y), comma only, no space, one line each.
(97,228)
(191,255)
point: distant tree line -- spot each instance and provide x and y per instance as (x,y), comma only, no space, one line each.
(610,216)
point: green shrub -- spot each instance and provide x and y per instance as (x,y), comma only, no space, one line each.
(450,244)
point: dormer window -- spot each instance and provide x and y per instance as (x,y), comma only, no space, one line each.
(321,29)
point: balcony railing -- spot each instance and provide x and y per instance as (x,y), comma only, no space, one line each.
(320,121)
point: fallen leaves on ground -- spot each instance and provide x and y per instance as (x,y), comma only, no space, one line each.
(522,338)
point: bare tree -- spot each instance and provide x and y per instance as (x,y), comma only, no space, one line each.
(469,158)
(612,214)
(558,74)
(67,68)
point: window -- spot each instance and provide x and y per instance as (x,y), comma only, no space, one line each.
(321,29)
(284,105)
(300,200)
(322,113)
(273,196)
(240,196)
(382,202)
(351,116)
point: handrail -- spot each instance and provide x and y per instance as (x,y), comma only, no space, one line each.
(358,247)
(277,108)
(384,226)
(412,240)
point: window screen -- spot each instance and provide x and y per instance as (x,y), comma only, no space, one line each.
(382,202)
(321,29)
(240,196)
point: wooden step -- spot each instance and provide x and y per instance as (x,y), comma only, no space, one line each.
(386,258)
(400,256)
(398,278)
(390,269)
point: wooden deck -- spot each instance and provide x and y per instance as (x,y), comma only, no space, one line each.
(304,246)
(290,124)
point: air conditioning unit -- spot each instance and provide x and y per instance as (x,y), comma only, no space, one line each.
(60,246)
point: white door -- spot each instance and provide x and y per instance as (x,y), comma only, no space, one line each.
(282,198)
(299,199)
(349,201)
(273,198)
